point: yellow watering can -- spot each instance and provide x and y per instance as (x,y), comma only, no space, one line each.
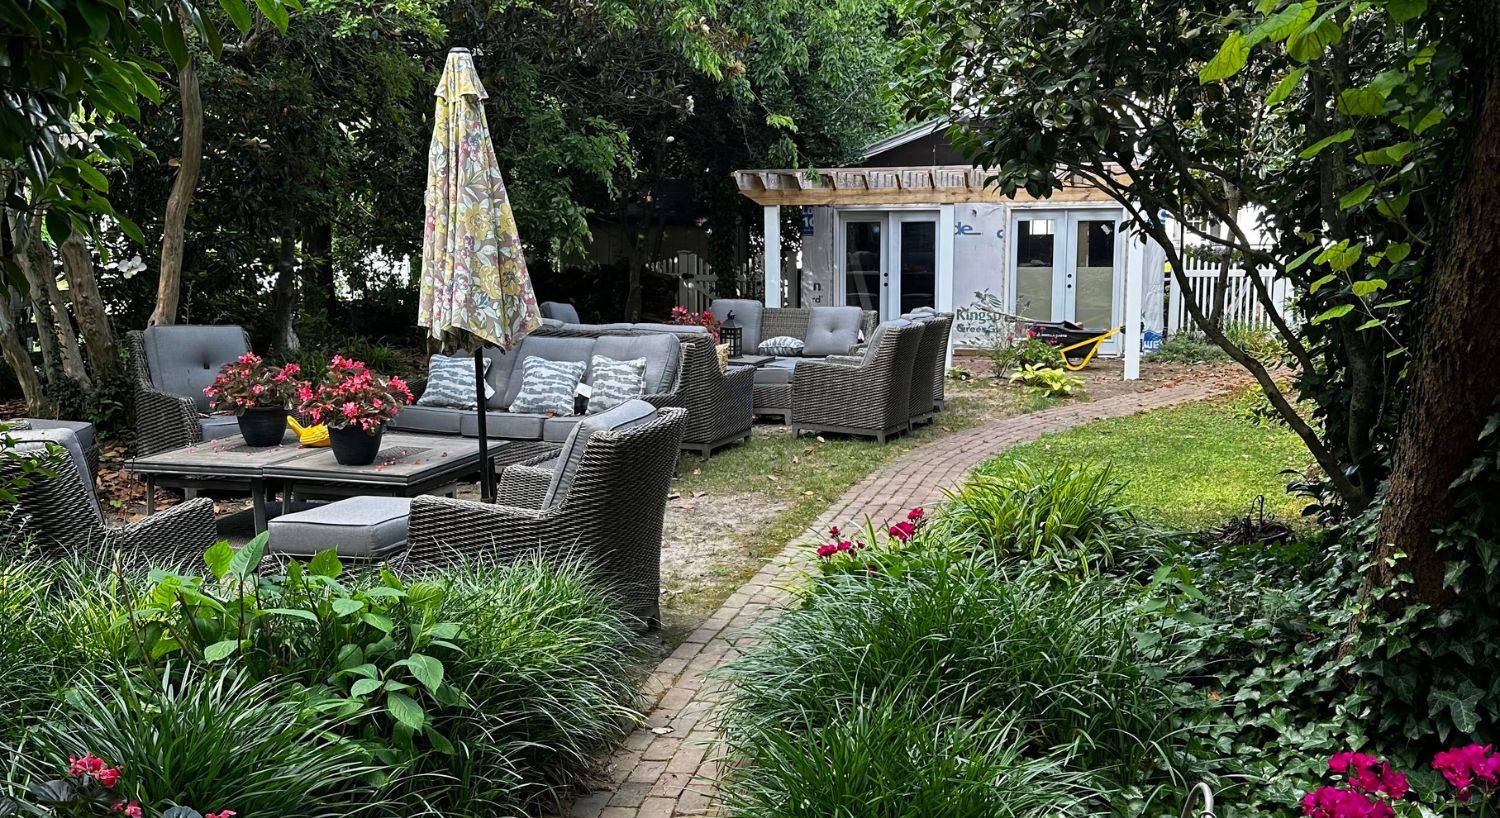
(309,435)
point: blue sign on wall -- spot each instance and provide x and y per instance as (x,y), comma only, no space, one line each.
(807,220)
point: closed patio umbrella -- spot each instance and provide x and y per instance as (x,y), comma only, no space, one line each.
(474,276)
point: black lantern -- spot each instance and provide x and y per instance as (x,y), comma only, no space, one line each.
(733,334)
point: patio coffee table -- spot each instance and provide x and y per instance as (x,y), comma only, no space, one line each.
(408,465)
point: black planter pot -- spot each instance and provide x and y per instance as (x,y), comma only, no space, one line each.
(353,446)
(263,426)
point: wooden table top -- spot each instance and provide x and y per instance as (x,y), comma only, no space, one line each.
(403,458)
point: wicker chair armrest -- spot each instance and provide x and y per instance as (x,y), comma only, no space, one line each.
(523,486)
(165,421)
(845,360)
(740,379)
(172,537)
(445,530)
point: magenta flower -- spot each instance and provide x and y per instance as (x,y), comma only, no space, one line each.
(903,530)
(1332,802)
(1466,766)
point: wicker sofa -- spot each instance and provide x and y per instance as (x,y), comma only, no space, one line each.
(59,514)
(664,364)
(600,499)
(171,366)
(867,394)
(718,401)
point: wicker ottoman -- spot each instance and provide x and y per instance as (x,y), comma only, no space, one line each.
(361,528)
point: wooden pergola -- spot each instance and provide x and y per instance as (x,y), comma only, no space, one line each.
(938,184)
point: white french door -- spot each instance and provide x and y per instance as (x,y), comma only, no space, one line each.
(1067,265)
(888,261)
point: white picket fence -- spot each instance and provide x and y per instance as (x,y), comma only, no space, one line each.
(697,283)
(1241,306)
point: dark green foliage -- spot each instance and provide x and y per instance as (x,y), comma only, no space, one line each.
(1188,348)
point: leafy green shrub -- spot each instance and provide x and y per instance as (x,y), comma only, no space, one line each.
(1069,516)
(1188,347)
(1010,353)
(1052,381)
(953,637)
(209,739)
(1261,342)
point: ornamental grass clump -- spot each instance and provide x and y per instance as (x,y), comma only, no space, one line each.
(952,638)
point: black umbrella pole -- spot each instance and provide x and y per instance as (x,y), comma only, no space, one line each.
(486,474)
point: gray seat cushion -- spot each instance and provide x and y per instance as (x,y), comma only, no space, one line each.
(435,420)
(831,331)
(556,430)
(81,429)
(571,455)
(777,371)
(559,311)
(184,359)
(746,314)
(73,451)
(218,427)
(675,329)
(549,347)
(503,425)
(878,335)
(661,351)
(359,527)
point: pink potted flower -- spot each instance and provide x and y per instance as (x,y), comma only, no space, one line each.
(258,394)
(355,403)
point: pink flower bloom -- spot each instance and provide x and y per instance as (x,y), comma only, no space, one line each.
(350,409)
(289,369)
(130,810)
(826,551)
(108,777)
(90,764)
(833,531)
(1332,802)
(1466,766)
(228,813)
(903,530)
(916,514)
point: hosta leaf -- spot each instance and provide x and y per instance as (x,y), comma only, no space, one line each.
(1232,56)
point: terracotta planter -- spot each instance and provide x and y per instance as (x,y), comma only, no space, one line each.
(263,426)
(353,446)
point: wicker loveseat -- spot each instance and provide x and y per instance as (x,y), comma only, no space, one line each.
(718,401)
(172,365)
(58,514)
(600,499)
(867,394)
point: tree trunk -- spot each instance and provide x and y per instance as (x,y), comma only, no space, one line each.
(17,358)
(88,308)
(284,296)
(1454,376)
(174,224)
(317,258)
(55,326)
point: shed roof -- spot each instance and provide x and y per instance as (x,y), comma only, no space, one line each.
(936,184)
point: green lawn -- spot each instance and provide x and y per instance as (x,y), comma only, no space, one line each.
(1188,467)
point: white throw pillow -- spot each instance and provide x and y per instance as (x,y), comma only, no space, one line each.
(615,382)
(782,346)
(547,387)
(450,382)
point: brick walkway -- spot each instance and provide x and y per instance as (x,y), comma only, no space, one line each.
(665,767)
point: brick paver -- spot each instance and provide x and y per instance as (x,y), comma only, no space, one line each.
(668,766)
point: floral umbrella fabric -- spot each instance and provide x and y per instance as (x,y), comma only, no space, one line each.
(473,271)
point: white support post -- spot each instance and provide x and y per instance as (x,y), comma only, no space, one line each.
(1135,281)
(945,232)
(773,256)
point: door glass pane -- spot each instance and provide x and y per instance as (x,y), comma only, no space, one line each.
(862,265)
(1095,284)
(918,265)
(1035,264)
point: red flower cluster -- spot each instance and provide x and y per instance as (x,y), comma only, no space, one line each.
(248,383)
(1466,766)
(706,319)
(1370,788)
(92,766)
(129,810)
(228,813)
(906,529)
(838,544)
(350,395)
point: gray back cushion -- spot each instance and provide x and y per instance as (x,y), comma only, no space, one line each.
(498,374)
(831,331)
(878,336)
(630,413)
(746,314)
(675,329)
(661,351)
(549,347)
(33,443)
(562,312)
(184,359)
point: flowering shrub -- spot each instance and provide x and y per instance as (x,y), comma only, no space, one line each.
(350,395)
(249,383)
(90,789)
(847,553)
(705,319)
(1372,788)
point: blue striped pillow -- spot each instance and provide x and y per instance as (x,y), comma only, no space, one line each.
(547,387)
(450,382)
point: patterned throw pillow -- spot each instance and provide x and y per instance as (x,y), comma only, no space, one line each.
(450,382)
(547,387)
(615,382)
(782,346)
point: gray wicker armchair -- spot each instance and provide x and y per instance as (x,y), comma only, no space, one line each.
(171,366)
(600,499)
(866,395)
(928,369)
(59,515)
